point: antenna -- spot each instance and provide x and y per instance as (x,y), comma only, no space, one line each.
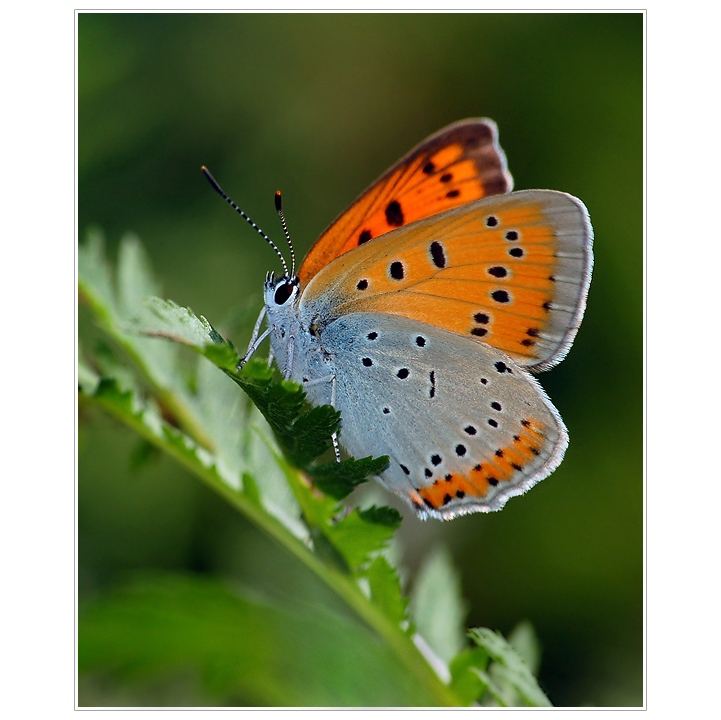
(216,186)
(279,210)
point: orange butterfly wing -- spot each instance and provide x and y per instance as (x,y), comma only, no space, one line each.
(458,164)
(511,271)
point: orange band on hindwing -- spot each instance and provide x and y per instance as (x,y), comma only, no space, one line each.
(503,466)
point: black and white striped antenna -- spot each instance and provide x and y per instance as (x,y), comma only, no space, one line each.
(279,210)
(216,186)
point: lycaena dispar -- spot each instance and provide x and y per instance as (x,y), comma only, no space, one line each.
(420,312)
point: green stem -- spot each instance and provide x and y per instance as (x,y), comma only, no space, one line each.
(339,583)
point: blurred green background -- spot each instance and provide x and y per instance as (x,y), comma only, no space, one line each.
(319,105)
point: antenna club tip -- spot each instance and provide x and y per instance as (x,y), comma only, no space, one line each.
(213,182)
(278,200)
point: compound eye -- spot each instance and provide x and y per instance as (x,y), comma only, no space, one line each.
(282,293)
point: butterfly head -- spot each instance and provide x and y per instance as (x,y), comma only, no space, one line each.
(281,292)
(282,300)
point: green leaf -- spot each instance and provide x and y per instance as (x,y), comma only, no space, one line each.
(318,509)
(135,281)
(385,590)
(111,394)
(216,416)
(524,641)
(273,484)
(165,319)
(511,676)
(340,479)
(310,434)
(362,533)
(88,378)
(437,607)
(108,364)
(95,276)
(135,278)
(110,300)
(250,488)
(469,680)
(225,648)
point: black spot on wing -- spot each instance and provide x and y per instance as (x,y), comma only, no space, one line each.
(498,271)
(437,254)
(394,213)
(364,236)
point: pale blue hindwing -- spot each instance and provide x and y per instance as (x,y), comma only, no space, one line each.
(408,390)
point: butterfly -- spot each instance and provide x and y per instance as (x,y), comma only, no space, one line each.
(421,314)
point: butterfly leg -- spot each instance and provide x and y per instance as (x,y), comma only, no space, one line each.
(256,328)
(254,341)
(252,348)
(334,436)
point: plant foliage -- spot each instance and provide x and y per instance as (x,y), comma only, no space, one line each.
(266,451)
